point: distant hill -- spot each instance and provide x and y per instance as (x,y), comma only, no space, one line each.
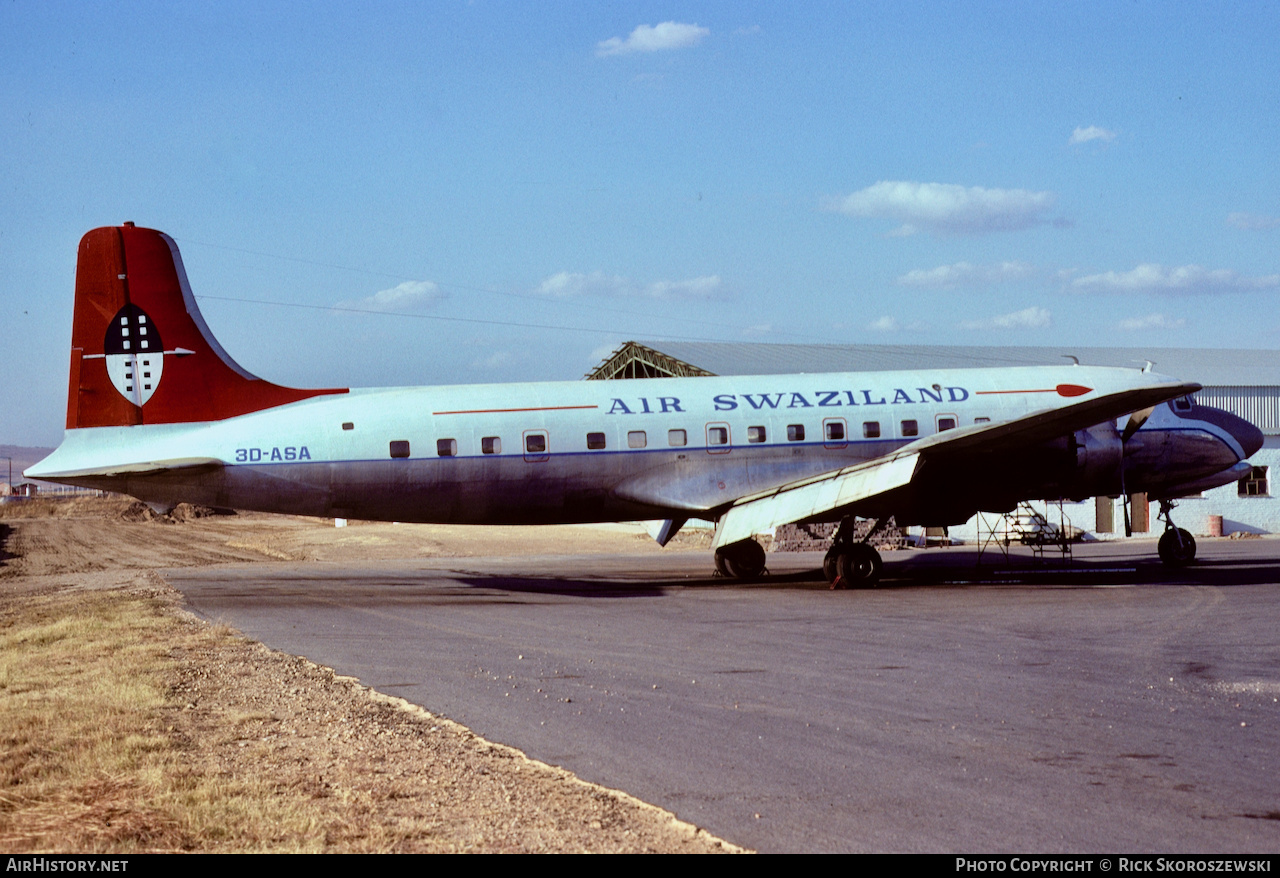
(23,457)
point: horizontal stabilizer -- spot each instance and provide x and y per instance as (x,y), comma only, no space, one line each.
(186,464)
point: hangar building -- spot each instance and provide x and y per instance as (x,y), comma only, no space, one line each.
(1244,382)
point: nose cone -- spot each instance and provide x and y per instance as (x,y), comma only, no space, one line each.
(1246,434)
(1249,436)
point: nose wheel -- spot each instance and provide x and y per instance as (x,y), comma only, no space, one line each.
(1177,547)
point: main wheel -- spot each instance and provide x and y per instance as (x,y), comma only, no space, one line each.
(744,560)
(722,565)
(1177,548)
(860,566)
(831,566)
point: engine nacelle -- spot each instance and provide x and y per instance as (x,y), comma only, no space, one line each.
(1099,457)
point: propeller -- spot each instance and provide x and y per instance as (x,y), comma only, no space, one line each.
(1124,503)
(1136,420)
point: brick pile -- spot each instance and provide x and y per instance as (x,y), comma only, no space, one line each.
(817,537)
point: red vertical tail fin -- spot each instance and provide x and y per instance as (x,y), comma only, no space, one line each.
(141,352)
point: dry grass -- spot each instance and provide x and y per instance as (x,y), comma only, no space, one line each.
(127,726)
(84,752)
(88,759)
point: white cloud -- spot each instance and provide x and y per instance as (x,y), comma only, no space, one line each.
(1093,132)
(412,295)
(946,207)
(1153,321)
(888,323)
(568,284)
(1253,222)
(1191,279)
(696,288)
(496,360)
(964,274)
(654,38)
(1027,318)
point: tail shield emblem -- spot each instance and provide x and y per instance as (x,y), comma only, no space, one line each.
(134,354)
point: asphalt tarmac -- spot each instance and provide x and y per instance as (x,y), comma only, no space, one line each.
(1015,707)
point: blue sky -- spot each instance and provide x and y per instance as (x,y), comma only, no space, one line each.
(460,192)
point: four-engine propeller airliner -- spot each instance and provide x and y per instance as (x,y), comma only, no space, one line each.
(157,409)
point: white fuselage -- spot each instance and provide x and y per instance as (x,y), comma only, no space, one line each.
(591,450)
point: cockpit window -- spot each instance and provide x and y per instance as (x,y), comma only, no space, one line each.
(1182,404)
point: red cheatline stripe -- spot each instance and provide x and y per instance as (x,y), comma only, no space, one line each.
(545,408)
(1061,390)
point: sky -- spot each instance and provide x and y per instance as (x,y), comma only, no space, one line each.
(378,194)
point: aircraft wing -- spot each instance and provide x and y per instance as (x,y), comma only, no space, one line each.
(843,488)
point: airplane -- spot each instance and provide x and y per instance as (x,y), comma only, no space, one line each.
(158,410)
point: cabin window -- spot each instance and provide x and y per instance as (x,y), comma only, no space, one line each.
(835,431)
(910,428)
(717,435)
(400,448)
(637,439)
(795,432)
(870,429)
(595,441)
(1254,484)
(755,434)
(982,420)
(947,423)
(347,425)
(535,443)
(447,447)
(490,445)
(677,438)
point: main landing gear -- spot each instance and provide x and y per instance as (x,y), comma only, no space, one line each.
(850,564)
(744,560)
(1177,547)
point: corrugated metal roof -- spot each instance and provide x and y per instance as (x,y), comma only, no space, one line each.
(1210,367)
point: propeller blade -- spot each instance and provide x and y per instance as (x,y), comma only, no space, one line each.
(1124,501)
(1136,420)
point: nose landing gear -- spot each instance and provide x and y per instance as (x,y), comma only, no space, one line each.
(1177,547)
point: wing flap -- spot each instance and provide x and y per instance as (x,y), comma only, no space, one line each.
(809,497)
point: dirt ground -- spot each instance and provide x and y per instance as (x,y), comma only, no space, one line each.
(389,775)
